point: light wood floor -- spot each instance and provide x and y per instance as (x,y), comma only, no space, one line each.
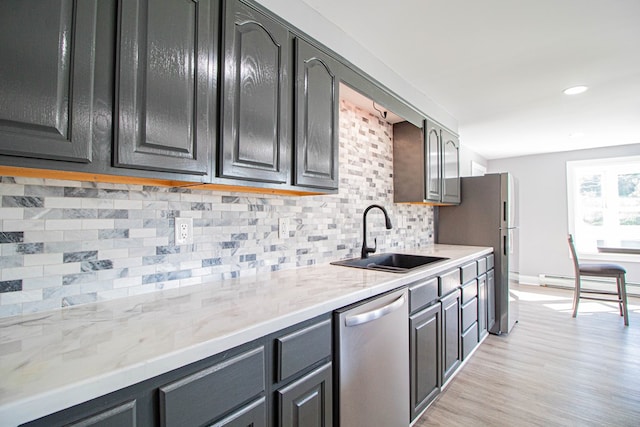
(551,370)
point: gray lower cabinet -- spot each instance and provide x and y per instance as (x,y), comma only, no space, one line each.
(255,99)
(316,125)
(425,350)
(282,379)
(166,87)
(308,401)
(47,78)
(451,355)
(303,372)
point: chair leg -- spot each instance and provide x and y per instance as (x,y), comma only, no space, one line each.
(620,300)
(623,296)
(576,296)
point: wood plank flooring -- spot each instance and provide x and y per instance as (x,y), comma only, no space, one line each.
(551,370)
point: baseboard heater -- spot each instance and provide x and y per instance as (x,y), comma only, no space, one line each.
(592,283)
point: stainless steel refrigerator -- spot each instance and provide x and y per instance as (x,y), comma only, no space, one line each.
(488,216)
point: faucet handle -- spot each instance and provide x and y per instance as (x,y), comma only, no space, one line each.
(375,246)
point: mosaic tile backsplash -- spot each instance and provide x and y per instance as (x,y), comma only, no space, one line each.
(66,242)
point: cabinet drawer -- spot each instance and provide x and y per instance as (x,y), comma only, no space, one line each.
(449,282)
(469,313)
(469,340)
(205,395)
(469,272)
(482,265)
(254,415)
(469,291)
(303,348)
(422,293)
(122,416)
(489,262)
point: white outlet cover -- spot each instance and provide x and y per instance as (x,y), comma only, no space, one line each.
(283,228)
(184,231)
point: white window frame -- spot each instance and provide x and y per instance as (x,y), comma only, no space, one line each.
(585,252)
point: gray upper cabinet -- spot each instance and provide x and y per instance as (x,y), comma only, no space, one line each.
(316,106)
(425,164)
(47,78)
(256,96)
(450,168)
(166,85)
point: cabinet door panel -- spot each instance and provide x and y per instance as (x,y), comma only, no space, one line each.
(166,85)
(482,305)
(308,401)
(255,142)
(432,162)
(450,168)
(316,96)
(47,78)
(425,352)
(491,300)
(450,335)
(469,340)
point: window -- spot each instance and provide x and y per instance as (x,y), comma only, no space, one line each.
(604,201)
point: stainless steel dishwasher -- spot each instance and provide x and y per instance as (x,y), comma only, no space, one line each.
(373,362)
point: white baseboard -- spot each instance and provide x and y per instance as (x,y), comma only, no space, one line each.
(565,282)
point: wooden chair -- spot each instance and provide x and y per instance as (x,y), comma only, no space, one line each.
(599,270)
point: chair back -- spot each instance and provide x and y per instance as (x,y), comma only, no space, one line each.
(576,264)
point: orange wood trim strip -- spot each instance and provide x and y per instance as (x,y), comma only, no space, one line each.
(117,179)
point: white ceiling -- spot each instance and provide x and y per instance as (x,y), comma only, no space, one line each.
(499,66)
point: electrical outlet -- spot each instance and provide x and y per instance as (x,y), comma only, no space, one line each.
(402,221)
(283,228)
(184,231)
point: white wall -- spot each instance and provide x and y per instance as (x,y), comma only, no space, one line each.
(307,19)
(466,157)
(542,202)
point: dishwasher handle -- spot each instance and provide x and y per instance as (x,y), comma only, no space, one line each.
(372,315)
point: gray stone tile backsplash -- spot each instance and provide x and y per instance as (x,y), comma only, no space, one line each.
(64,243)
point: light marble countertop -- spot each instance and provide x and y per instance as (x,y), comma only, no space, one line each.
(54,360)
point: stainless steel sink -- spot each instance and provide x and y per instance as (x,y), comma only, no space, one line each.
(395,263)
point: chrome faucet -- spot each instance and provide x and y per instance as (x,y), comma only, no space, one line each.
(365,249)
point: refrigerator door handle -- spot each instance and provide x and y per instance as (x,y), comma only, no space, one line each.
(504,244)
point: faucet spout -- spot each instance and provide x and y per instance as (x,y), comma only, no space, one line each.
(366,250)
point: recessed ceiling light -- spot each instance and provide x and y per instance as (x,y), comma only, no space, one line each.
(575,90)
(576,135)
